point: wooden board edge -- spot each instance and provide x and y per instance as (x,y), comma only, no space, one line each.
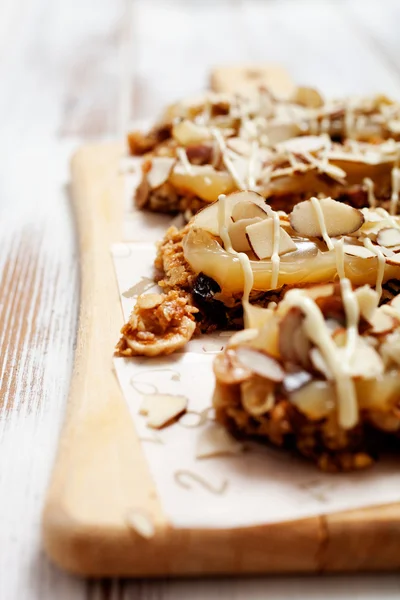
(80,539)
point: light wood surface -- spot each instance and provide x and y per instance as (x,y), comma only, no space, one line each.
(74,71)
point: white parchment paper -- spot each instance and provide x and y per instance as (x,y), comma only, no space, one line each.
(257,486)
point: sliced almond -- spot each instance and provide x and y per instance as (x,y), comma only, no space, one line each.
(303,143)
(382,323)
(367,299)
(257,396)
(261,239)
(359,251)
(141,523)
(207,218)
(160,170)
(260,363)
(388,252)
(339,218)
(239,145)
(393,260)
(162,408)
(237,233)
(365,361)
(395,302)
(147,301)
(388,237)
(247,209)
(307,96)
(214,440)
(229,370)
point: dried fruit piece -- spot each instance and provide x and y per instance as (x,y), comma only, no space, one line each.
(186,132)
(202,180)
(339,218)
(260,363)
(214,440)
(162,408)
(238,235)
(160,170)
(261,239)
(388,237)
(316,399)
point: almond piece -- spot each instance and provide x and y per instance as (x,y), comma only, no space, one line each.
(161,167)
(388,237)
(162,408)
(356,250)
(307,96)
(382,323)
(216,441)
(237,233)
(365,362)
(260,363)
(303,143)
(393,260)
(339,218)
(367,299)
(186,132)
(207,219)
(319,363)
(257,396)
(261,239)
(246,209)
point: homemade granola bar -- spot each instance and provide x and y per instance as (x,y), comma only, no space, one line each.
(238,250)
(286,149)
(320,373)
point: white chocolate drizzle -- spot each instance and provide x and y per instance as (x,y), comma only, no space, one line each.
(352,316)
(181,152)
(321,221)
(226,160)
(381,264)
(369,184)
(318,333)
(339,252)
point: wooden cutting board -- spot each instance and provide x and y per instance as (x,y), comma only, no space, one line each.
(101,477)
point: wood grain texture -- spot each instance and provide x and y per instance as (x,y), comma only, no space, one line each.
(141,54)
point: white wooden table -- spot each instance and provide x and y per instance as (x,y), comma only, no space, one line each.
(76,70)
